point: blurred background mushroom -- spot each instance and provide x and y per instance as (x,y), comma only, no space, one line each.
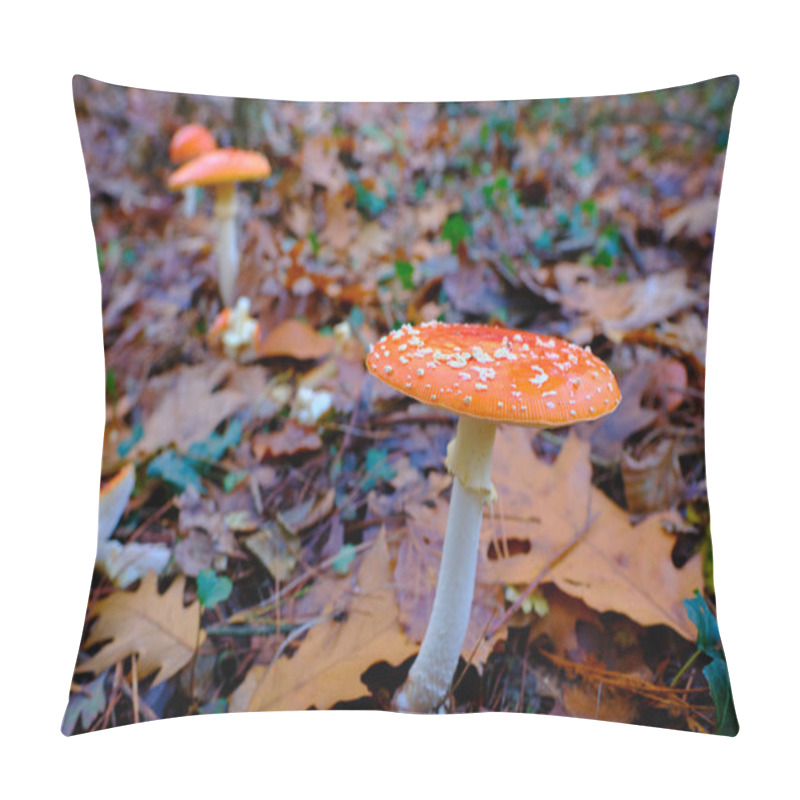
(188,142)
(222,169)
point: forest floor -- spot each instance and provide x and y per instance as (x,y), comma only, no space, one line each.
(278,516)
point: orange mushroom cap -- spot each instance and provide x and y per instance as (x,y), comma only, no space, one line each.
(190,141)
(496,374)
(226,165)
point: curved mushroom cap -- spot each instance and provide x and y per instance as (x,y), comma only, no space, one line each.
(190,141)
(226,165)
(502,375)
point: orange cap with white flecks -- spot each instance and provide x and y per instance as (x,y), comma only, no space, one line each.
(496,374)
(226,165)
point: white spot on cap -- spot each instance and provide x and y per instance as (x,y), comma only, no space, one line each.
(541,376)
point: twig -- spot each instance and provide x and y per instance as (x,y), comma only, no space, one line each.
(145,709)
(152,518)
(251,630)
(686,666)
(135,688)
(531,587)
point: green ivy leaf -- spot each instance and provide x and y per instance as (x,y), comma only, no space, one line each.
(175,469)
(233,479)
(405,273)
(344,558)
(708,639)
(456,229)
(215,446)
(369,203)
(212,588)
(377,468)
(719,683)
(126,445)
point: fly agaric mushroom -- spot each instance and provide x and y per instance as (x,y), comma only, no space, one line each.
(188,142)
(223,168)
(487,376)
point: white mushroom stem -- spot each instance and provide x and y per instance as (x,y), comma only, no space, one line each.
(225,209)
(189,201)
(469,458)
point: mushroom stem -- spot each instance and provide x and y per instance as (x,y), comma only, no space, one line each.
(469,458)
(189,201)
(225,209)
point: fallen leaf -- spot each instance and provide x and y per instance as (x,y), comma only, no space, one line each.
(329,662)
(589,702)
(416,575)
(273,551)
(618,308)
(320,163)
(195,552)
(305,515)
(295,339)
(613,565)
(188,404)
(342,223)
(694,219)
(610,432)
(114,498)
(85,705)
(652,481)
(158,627)
(126,563)
(288,441)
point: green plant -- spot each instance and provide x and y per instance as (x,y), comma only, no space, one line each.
(716,672)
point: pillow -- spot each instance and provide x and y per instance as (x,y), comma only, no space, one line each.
(274,490)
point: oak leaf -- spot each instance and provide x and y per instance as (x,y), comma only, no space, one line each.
(329,662)
(158,627)
(612,565)
(616,309)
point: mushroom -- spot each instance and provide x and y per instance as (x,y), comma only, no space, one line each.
(188,142)
(223,168)
(487,376)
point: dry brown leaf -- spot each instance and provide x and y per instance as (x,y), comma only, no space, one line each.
(158,627)
(614,566)
(188,405)
(618,308)
(688,334)
(652,481)
(114,498)
(320,163)
(588,702)
(295,339)
(289,440)
(610,432)
(694,219)
(373,242)
(329,662)
(416,575)
(273,551)
(342,223)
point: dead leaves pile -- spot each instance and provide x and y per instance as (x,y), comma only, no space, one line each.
(348,239)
